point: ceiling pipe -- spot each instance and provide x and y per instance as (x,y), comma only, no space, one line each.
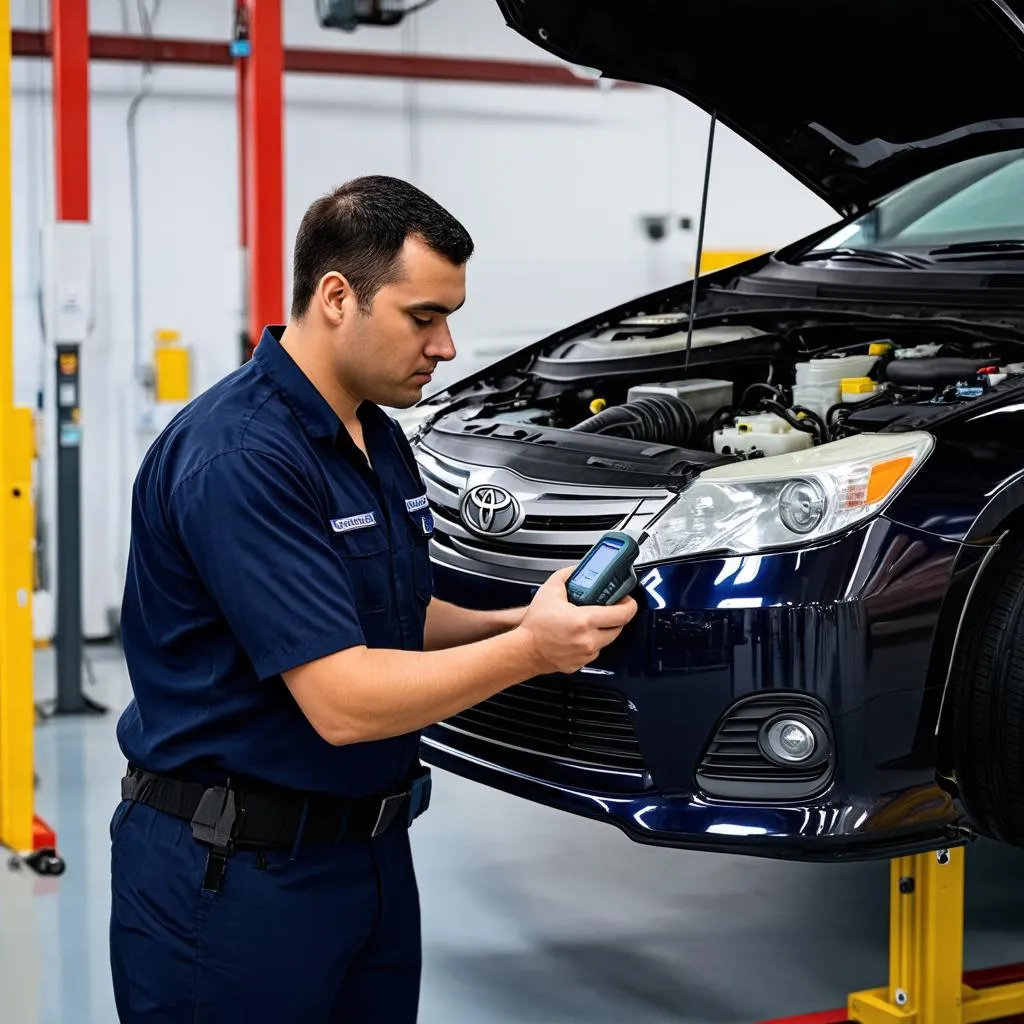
(214,53)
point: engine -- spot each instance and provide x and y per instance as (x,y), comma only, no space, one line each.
(748,392)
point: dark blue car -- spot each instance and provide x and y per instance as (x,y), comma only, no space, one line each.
(828,661)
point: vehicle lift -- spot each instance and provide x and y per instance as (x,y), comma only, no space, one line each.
(926,951)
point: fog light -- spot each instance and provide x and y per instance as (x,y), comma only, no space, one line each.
(790,740)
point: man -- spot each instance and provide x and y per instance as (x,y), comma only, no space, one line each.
(285,649)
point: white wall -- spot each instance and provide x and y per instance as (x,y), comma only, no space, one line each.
(552,183)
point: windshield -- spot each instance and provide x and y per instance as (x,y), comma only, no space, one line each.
(978,200)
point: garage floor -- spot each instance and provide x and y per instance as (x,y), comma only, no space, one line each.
(529,916)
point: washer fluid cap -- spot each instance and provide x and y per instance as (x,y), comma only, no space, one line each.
(879,348)
(857,385)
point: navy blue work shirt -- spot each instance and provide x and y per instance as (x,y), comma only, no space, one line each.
(262,540)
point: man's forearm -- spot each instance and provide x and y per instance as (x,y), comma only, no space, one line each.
(448,625)
(361,695)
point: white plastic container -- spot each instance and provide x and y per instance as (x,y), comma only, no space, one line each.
(833,370)
(818,398)
(763,432)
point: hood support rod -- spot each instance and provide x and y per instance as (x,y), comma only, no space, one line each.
(700,239)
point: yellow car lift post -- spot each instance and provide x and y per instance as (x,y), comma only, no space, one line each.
(21,831)
(926,954)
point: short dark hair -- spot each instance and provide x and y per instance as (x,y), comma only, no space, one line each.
(359,229)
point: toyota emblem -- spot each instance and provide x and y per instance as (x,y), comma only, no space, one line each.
(491,511)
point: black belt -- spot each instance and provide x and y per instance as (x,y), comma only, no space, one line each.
(232,818)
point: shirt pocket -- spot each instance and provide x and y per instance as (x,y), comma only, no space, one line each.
(366,557)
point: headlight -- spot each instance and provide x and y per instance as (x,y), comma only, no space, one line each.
(790,499)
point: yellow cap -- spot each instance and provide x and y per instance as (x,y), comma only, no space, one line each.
(857,385)
(879,348)
(598,405)
(165,336)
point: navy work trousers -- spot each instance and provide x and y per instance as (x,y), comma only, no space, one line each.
(330,936)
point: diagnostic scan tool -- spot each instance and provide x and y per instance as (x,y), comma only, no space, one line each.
(605,573)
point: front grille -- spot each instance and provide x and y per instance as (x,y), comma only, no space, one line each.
(733,766)
(488,550)
(585,724)
(563,521)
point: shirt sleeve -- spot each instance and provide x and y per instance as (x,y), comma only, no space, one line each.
(250,524)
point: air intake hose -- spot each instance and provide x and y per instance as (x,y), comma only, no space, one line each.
(657,419)
(935,372)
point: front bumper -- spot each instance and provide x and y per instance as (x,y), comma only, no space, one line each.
(851,623)
(912,820)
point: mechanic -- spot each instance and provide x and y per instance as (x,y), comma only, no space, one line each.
(285,649)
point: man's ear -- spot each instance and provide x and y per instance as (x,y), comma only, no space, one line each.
(335,296)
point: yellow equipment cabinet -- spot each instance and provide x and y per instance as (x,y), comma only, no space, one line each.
(172,369)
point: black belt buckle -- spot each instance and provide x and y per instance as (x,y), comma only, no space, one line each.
(389,809)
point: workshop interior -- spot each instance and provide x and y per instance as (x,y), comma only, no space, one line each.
(743,339)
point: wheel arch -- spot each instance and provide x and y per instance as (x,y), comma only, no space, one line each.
(1000,523)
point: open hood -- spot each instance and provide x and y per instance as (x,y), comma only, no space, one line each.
(853,97)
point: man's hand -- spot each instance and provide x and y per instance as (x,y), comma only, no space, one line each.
(565,637)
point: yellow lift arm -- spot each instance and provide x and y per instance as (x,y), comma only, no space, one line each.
(926,952)
(926,957)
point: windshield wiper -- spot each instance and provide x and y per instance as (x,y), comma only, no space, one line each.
(878,257)
(972,250)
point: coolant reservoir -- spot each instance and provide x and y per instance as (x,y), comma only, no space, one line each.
(762,432)
(818,381)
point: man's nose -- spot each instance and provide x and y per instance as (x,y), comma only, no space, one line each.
(441,345)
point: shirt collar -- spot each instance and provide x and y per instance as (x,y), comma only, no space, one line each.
(310,407)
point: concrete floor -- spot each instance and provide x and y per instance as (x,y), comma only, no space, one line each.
(529,916)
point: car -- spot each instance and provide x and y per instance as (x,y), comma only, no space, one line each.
(827,661)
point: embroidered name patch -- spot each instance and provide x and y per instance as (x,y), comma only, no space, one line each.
(416,504)
(354,522)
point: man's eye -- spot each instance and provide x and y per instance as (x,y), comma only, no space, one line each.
(422,323)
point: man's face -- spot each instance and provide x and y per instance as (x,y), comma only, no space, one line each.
(389,354)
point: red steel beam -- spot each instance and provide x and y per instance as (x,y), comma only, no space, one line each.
(262,130)
(70,42)
(210,53)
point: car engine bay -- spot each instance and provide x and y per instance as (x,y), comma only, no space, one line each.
(739,392)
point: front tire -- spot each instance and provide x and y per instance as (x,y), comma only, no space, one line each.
(986,690)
